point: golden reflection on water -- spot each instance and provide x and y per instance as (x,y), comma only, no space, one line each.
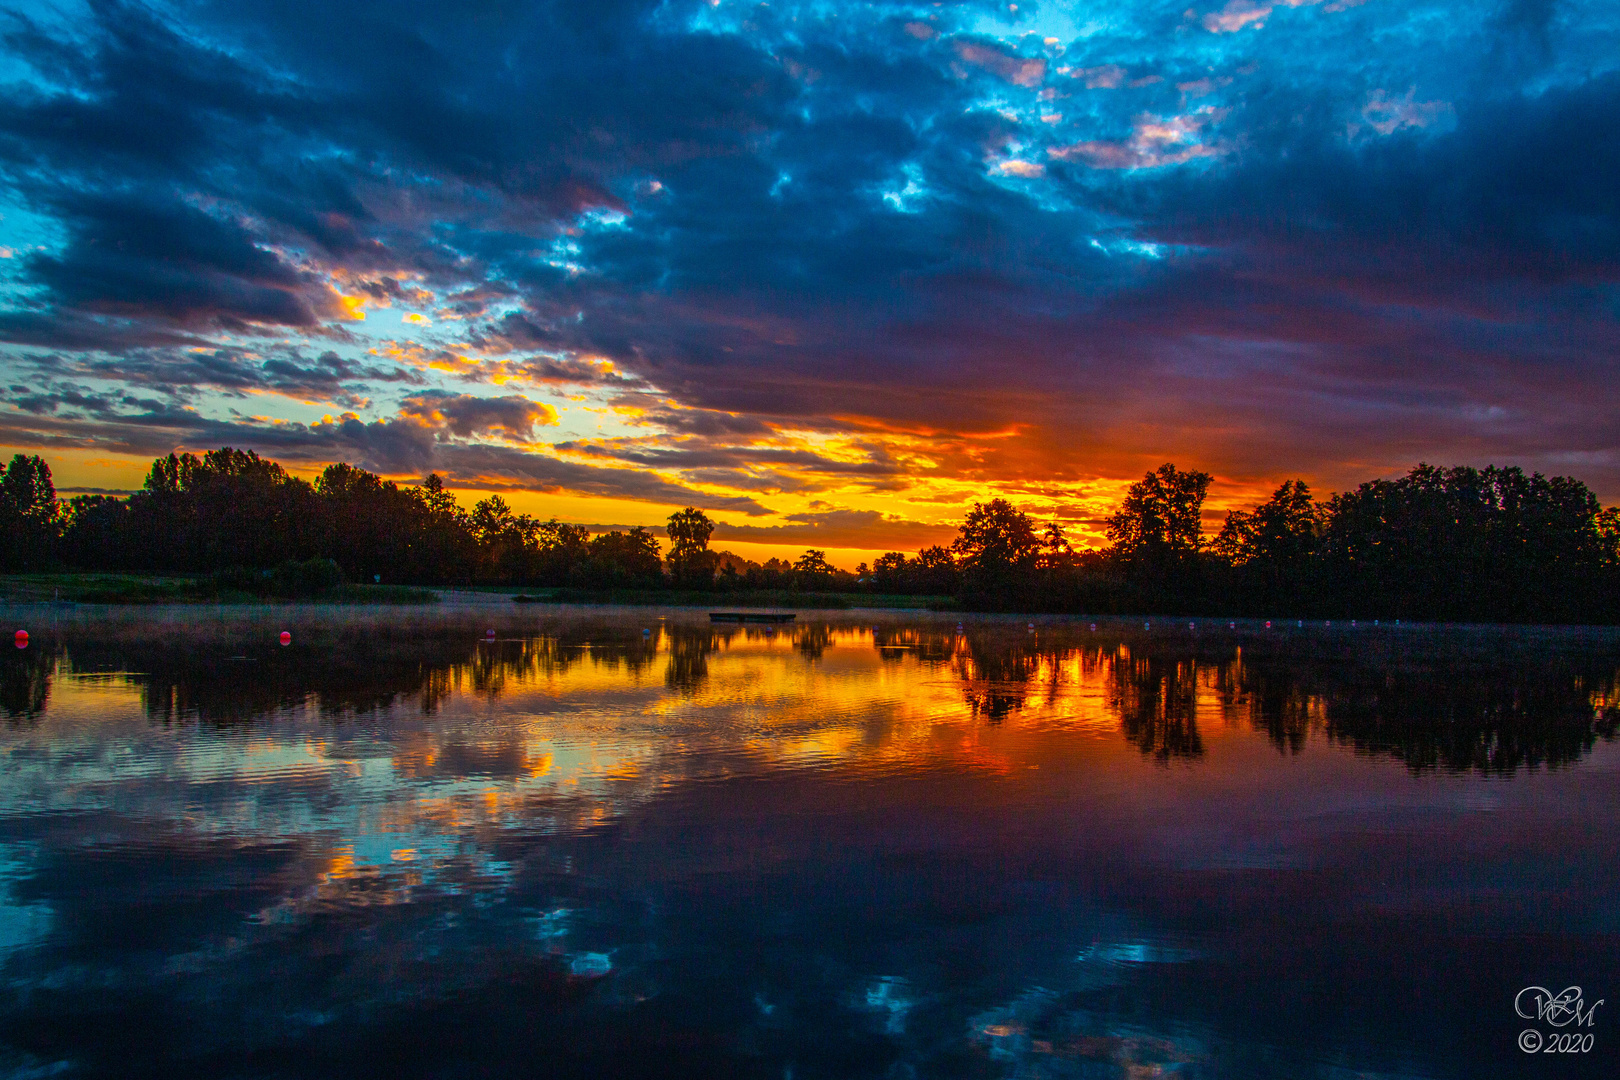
(852,829)
(395,774)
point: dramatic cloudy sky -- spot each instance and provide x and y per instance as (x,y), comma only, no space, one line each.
(830,270)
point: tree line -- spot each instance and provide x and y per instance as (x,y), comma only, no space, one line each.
(1449,544)
(1456,544)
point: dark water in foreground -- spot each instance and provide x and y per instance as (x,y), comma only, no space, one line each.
(874,846)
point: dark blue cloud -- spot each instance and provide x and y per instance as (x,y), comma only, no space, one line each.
(1332,237)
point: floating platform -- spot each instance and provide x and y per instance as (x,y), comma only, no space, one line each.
(751,616)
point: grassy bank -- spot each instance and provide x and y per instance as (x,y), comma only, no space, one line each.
(143,589)
(92,588)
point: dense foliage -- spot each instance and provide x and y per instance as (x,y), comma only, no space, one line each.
(1459,544)
(232,509)
(1454,544)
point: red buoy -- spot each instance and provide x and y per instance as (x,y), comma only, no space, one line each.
(286,638)
(22,639)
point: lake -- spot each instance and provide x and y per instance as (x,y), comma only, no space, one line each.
(626,842)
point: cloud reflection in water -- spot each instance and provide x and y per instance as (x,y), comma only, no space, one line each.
(844,848)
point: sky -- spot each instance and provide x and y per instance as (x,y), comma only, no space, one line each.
(830,271)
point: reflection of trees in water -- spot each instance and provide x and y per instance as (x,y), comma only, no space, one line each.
(996,676)
(25,680)
(1490,721)
(689,650)
(350,674)
(1285,709)
(691,646)
(927,645)
(1481,711)
(492,666)
(812,641)
(1493,704)
(1157,700)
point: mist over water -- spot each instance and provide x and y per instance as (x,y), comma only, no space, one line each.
(614,843)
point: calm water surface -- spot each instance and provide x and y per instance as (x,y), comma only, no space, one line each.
(863,845)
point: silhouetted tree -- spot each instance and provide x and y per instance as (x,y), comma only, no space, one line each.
(811,570)
(889,573)
(228,508)
(375,529)
(624,559)
(936,572)
(28,514)
(1158,534)
(691,562)
(1458,543)
(554,550)
(1272,546)
(95,532)
(1160,521)
(997,552)
(1464,543)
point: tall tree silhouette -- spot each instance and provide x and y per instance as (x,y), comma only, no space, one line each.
(1271,547)
(812,570)
(1158,531)
(997,550)
(28,513)
(691,563)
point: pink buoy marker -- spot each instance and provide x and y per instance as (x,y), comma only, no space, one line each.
(286,638)
(22,639)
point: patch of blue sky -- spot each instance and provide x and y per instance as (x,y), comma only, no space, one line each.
(1374,49)
(59,17)
(1580,42)
(1064,22)
(396,321)
(24,230)
(1124,245)
(786,23)
(602,218)
(912,196)
(16,293)
(218,404)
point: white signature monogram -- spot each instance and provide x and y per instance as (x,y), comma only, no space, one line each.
(1563,1009)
